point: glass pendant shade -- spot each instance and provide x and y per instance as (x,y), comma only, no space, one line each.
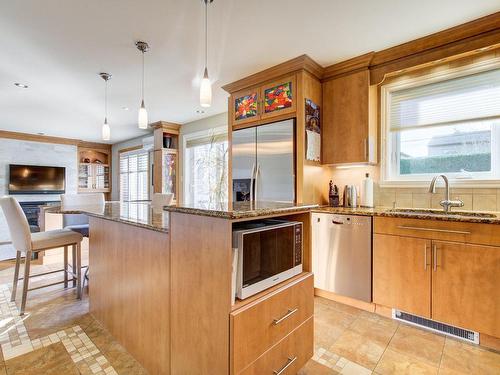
(106,131)
(143,117)
(205,91)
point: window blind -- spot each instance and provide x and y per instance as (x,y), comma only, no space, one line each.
(134,176)
(475,97)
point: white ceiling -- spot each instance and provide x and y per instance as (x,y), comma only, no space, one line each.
(58,47)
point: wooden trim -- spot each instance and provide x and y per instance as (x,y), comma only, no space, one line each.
(128,149)
(348,66)
(168,127)
(439,39)
(470,46)
(48,139)
(302,62)
(490,342)
(366,306)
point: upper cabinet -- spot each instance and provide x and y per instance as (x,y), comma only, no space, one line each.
(262,102)
(94,170)
(349,120)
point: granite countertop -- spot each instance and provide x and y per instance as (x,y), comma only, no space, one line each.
(411,213)
(140,214)
(241,210)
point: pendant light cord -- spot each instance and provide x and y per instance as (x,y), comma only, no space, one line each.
(143,76)
(106,100)
(206,33)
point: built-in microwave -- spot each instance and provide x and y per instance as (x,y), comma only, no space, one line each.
(265,253)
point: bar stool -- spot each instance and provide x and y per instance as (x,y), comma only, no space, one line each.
(26,242)
(80,222)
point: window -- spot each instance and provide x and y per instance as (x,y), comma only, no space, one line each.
(442,124)
(134,176)
(205,167)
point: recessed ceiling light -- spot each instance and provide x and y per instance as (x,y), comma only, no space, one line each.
(21,85)
(200,111)
(125,108)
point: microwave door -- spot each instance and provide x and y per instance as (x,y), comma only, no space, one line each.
(244,164)
(275,177)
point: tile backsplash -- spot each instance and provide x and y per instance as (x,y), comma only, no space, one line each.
(474,199)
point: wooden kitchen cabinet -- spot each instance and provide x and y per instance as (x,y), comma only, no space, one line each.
(462,273)
(349,120)
(402,273)
(274,98)
(466,286)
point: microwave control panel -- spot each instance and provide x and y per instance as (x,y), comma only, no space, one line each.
(298,244)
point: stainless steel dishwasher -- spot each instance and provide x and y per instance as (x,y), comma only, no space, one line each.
(342,254)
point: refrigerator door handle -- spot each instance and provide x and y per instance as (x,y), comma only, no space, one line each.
(252,181)
(257,172)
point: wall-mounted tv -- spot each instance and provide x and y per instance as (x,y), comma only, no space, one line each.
(36,179)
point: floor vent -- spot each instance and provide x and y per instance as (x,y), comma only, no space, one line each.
(459,333)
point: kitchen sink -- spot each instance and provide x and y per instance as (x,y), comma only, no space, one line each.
(409,211)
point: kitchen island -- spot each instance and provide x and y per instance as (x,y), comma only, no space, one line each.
(161,284)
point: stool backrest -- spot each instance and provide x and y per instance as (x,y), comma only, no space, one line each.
(93,199)
(160,200)
(75,200)
(18,224)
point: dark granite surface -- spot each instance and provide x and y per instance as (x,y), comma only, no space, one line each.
(410,213)
(140,214)
(241,210)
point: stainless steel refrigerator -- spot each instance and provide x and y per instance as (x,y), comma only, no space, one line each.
(263,162)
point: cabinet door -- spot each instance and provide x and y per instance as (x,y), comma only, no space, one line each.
(244,106)
(170,174)
(85,177)
(101,177)
(466,286)
(346,128)
(402,273)
(279,97)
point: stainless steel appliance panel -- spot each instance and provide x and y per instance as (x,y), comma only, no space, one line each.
(275,176)
(342,254)
(244,161)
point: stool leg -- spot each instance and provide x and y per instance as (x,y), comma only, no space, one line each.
(16,276)
(27,263)
(79,271)
(73,260)
(65,266)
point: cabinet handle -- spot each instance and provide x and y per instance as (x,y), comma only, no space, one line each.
(425,257)
(288,363)
(286,316)
(434,230)
(434,253)
(366,148)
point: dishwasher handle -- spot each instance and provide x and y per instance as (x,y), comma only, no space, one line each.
(337,222)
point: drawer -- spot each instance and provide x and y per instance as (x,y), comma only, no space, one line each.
(288,356)
(475,233)
(258,326)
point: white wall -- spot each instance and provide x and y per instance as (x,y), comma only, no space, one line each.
(13,151)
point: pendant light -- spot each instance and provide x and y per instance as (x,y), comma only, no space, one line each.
(106,131)
(143,114)
(206,87)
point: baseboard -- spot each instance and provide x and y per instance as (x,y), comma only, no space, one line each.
(489,342)
(367,306)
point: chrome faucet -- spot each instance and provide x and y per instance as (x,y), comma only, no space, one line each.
(446,203)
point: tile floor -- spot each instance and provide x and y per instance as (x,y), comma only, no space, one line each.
(59,336)
(352,341)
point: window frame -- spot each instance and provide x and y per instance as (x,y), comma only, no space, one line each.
(216,131)
(390,145)
(148,171)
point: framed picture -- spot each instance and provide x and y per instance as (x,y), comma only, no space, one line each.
(278,97)
(245,106)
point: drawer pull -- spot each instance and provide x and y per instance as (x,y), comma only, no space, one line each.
(287,364)
(434,230)
(286,316)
